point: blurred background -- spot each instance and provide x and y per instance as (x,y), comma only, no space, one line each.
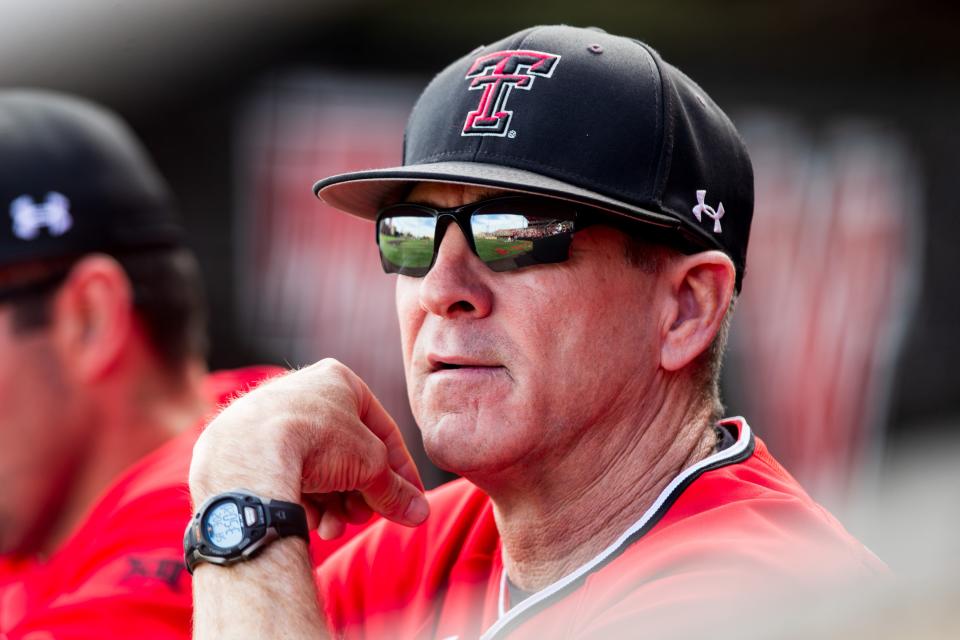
(846,339)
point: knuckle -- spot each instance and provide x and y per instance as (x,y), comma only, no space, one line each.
(335,373)
(329,366)
(377,455)
(347,460)
(394,499)
(343,473)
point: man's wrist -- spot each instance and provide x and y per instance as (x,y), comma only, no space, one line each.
(281,573)
(286,551)
(263,465)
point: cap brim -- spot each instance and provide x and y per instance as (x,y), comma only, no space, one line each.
(364,193)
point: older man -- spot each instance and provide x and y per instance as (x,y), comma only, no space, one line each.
(570,228)
(103,385)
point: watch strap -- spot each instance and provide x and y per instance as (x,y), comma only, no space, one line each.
(287,518)
(190,546)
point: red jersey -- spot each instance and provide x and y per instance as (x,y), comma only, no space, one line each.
(120,573)
(724,526)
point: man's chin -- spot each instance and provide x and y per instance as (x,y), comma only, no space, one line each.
(448,436)
(462,445)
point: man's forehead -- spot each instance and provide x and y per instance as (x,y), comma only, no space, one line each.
(450,194)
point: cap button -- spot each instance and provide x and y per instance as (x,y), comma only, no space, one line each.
(595,48)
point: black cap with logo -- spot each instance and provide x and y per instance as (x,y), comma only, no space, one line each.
(75,180)
(581,115)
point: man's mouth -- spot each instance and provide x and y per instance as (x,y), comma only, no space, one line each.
(445,366)
(449,363)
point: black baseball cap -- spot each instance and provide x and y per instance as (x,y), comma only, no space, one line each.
(581,115)
(75,180)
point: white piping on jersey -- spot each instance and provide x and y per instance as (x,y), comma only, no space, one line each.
(502,600)
(743,441)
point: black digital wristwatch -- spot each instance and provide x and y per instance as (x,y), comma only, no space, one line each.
(234,526)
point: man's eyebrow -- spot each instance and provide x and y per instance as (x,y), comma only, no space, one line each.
(482,193)
(485,193)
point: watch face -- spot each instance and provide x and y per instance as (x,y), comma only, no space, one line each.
(223,526)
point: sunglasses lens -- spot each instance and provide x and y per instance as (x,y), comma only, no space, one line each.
(510,235)
(406,243)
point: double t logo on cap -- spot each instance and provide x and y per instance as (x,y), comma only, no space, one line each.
(497,73)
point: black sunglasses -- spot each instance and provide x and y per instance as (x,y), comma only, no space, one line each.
(506,232)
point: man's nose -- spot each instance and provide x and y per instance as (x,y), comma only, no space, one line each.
(458,283)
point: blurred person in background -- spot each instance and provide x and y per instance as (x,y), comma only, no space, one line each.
(569,226)
(103,382)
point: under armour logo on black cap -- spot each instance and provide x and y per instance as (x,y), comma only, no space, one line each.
(702,208)
(29,217)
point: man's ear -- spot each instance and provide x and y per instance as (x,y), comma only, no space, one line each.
(700,288)
(92,317)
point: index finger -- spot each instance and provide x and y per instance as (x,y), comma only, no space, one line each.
(382,425)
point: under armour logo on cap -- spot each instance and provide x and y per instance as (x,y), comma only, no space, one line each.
(702,208)
(29,217)
(497,73)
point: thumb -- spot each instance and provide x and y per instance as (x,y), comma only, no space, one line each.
(396,498)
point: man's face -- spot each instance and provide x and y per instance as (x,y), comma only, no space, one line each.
(37,445)
(521,366)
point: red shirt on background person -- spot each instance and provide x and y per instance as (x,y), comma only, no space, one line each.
(119,573)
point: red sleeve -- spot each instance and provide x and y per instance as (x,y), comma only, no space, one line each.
(125,579)
(121,574)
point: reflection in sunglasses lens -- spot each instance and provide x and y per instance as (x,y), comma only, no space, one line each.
(500,235)
(407,241)
(509,235)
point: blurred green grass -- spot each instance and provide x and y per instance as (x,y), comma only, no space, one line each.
(418,252)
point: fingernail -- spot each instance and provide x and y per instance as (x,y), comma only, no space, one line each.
(417,511)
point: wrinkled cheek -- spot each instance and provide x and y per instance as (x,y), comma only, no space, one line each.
(415,397)
(428,403)
(409,313)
